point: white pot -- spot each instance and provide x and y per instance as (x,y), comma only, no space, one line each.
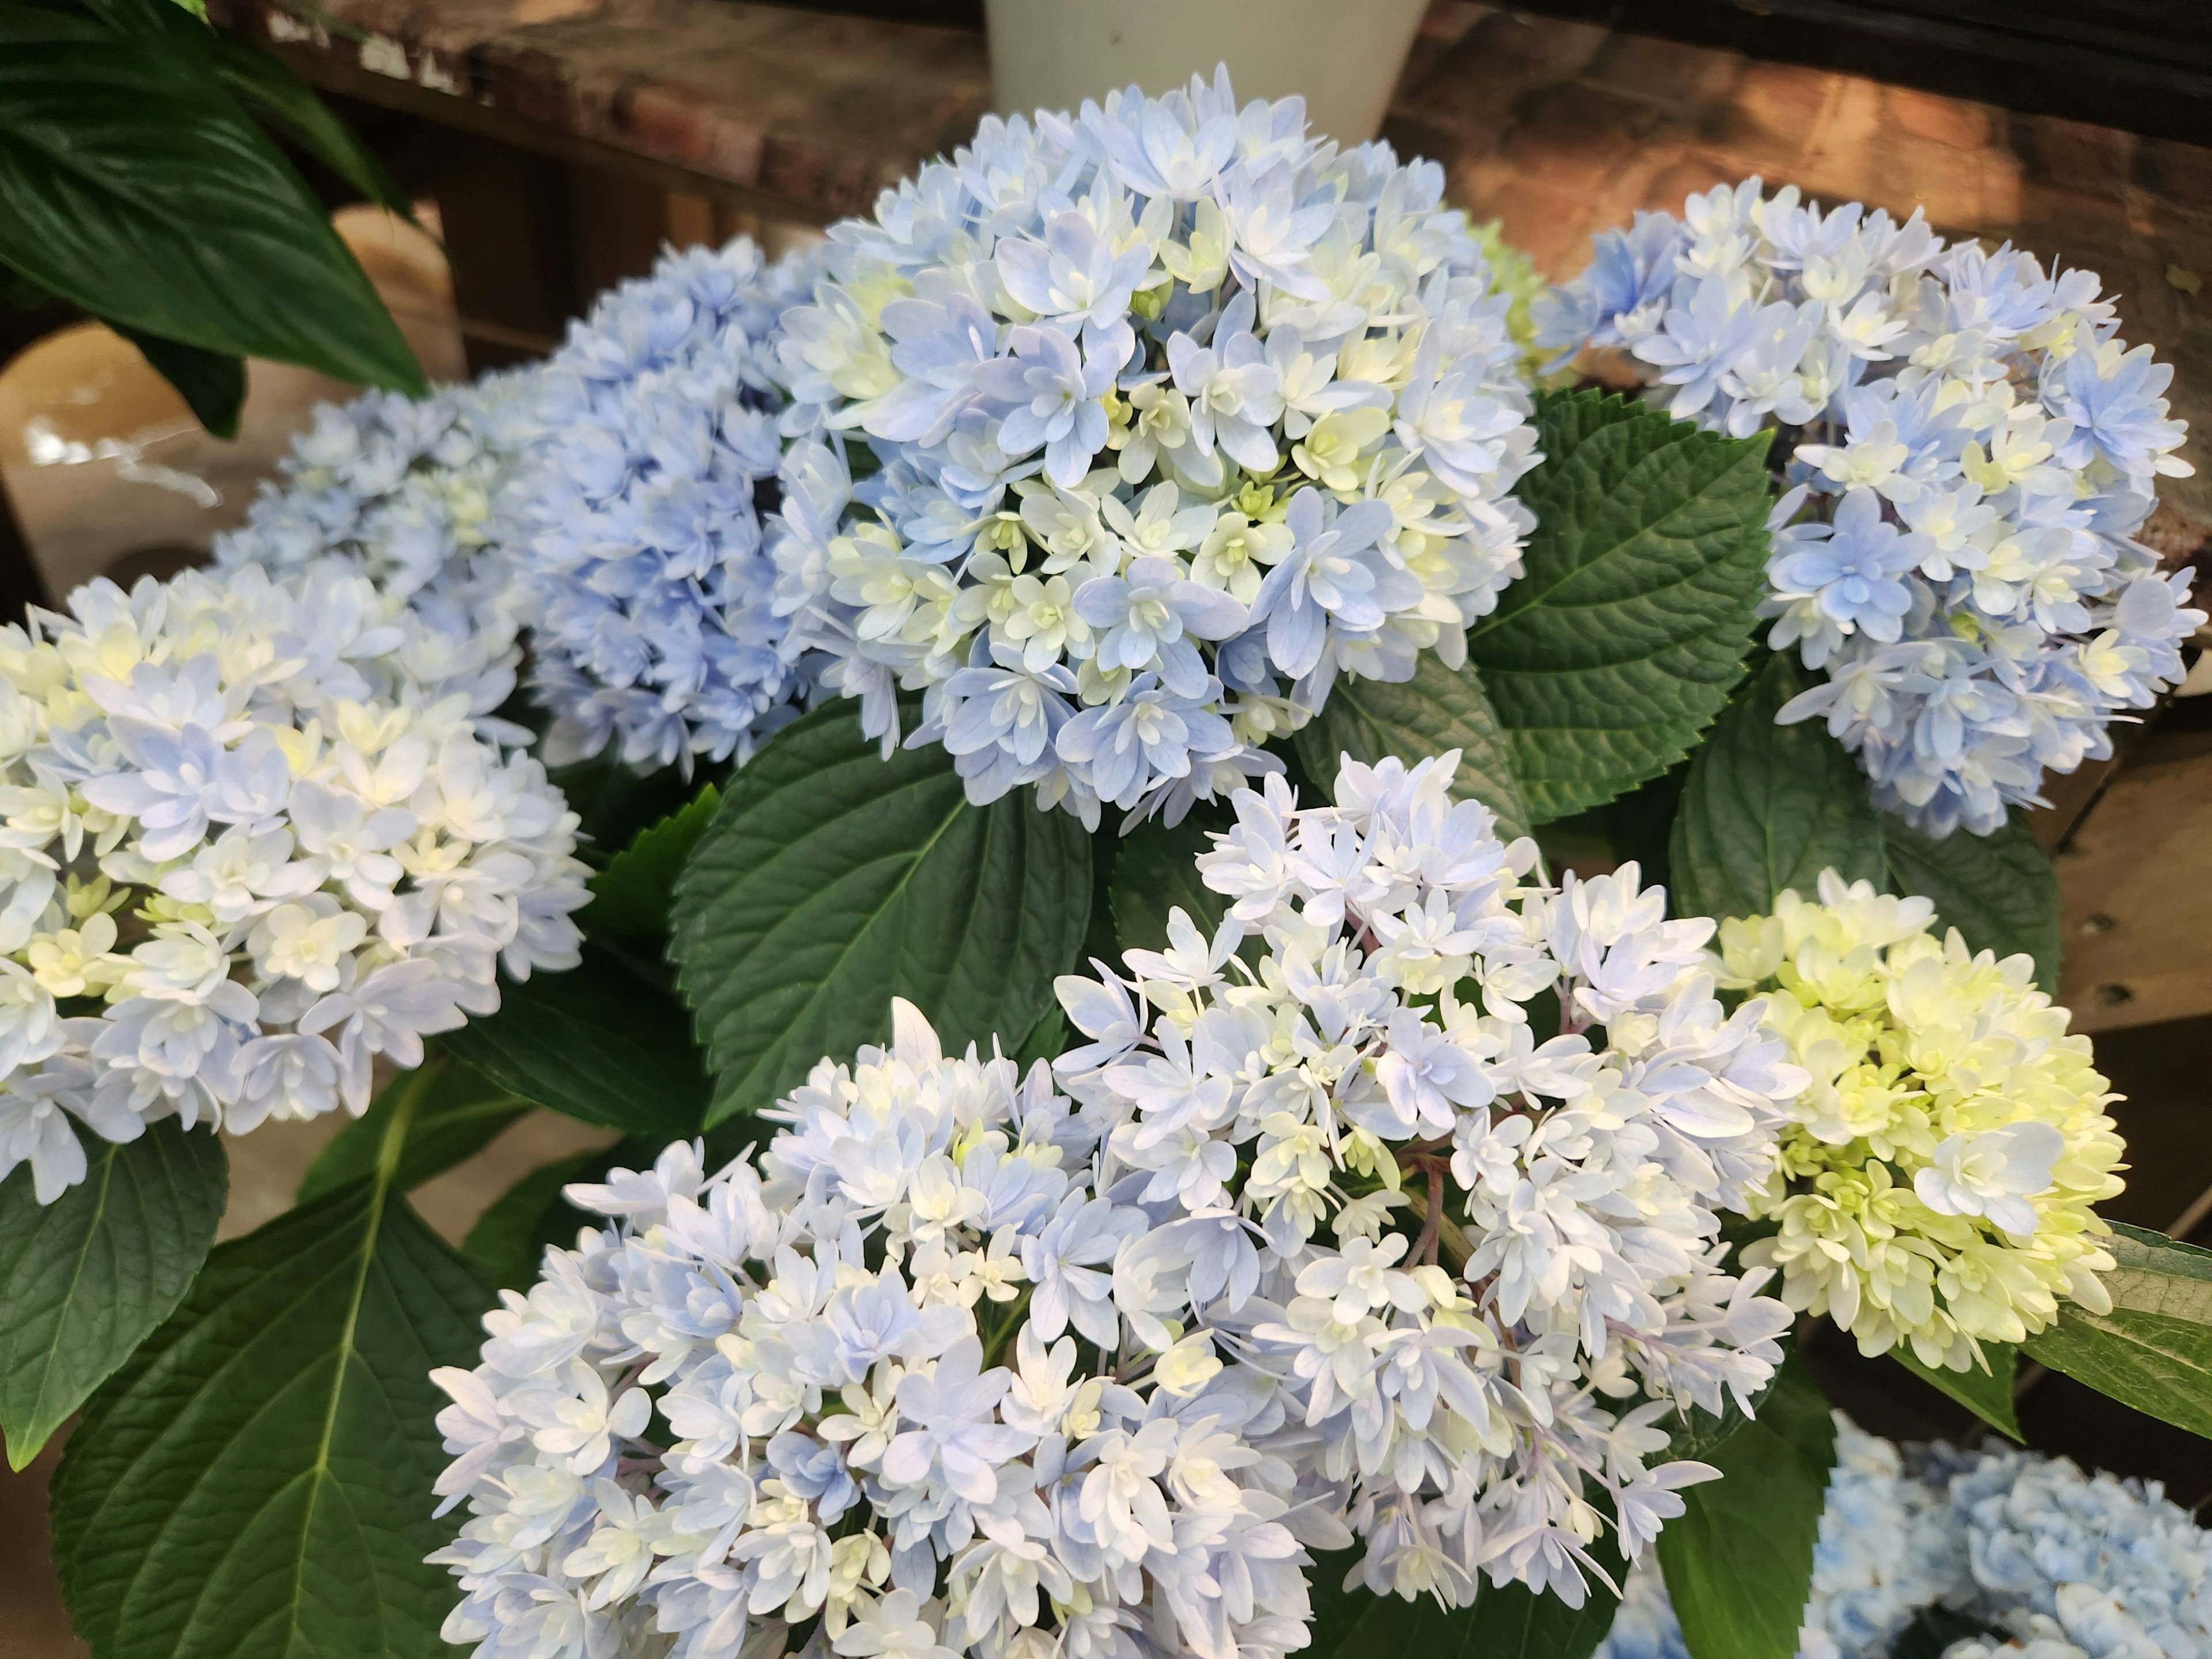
(1341,55)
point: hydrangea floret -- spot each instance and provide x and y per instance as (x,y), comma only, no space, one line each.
(2052,1563)
(1122,435)
(411,490)
(877,1390)
(637,529)
(242,855)
(1935,1189)
(1481,1253)
(1969,449)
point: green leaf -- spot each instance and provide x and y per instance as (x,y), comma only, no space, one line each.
(1046,1041)
(617,803)
(1438,709)
(211,383)
(633,894)
(131,185)
(2154,1351)
(1998,890)
(457,1114)
(255,1484)
(1619,645)
(84,1278)
(509,1239)
(598,1043)
(1155,870)
(1987,1393)
(1738,1560)
(833,880)
(273,95)
(1768,807)
(1508,1621)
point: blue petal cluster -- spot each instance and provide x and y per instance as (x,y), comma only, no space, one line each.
(637,526)
(409,492)
(2060,1564)
(1124,433)
(1969,449)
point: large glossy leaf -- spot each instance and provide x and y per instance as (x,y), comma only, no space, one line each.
(1738,1560)
(457,1114)
(1438,709)
(832,880)
(1987,1393)
(600,1042)
(632,895)
(1620,644)
(1508,1621)
(273,95)
(84,1278)
(211,383)
(256,1483)
(1156,871)
(1768,807)
(132,184)
(2154,1351)
(1998,890)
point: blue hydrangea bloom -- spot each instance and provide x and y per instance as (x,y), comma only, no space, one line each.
(2064,1565)
(1972,450)
(411,492)
(638,526)
(1143,424)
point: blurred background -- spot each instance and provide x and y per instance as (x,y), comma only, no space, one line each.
(553,147)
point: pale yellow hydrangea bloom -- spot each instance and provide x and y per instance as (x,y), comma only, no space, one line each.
(1938,1187)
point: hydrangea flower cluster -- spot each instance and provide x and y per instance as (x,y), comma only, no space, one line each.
(1936,1186)
(241,854)
(880,1381)
(2073,1566)
(1969,448)
(2058,1564)
(1888,1547)
(637,531)
(1122,435)
(1465,1245)
(410,491)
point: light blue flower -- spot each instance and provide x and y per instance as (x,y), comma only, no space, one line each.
(1333,576)
(412,492)
(1630,273)
(638,545)
(1051,397)
(1855,571)
(1973,450)
(1146,617)
(1035,339)
(1150,735)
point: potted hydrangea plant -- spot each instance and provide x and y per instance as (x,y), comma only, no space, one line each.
(1056,702)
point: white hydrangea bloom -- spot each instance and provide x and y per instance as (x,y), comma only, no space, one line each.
(881,1381)
(228,814)
(1969,448)
(411,490)
(1455,1236)
(1124,433)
